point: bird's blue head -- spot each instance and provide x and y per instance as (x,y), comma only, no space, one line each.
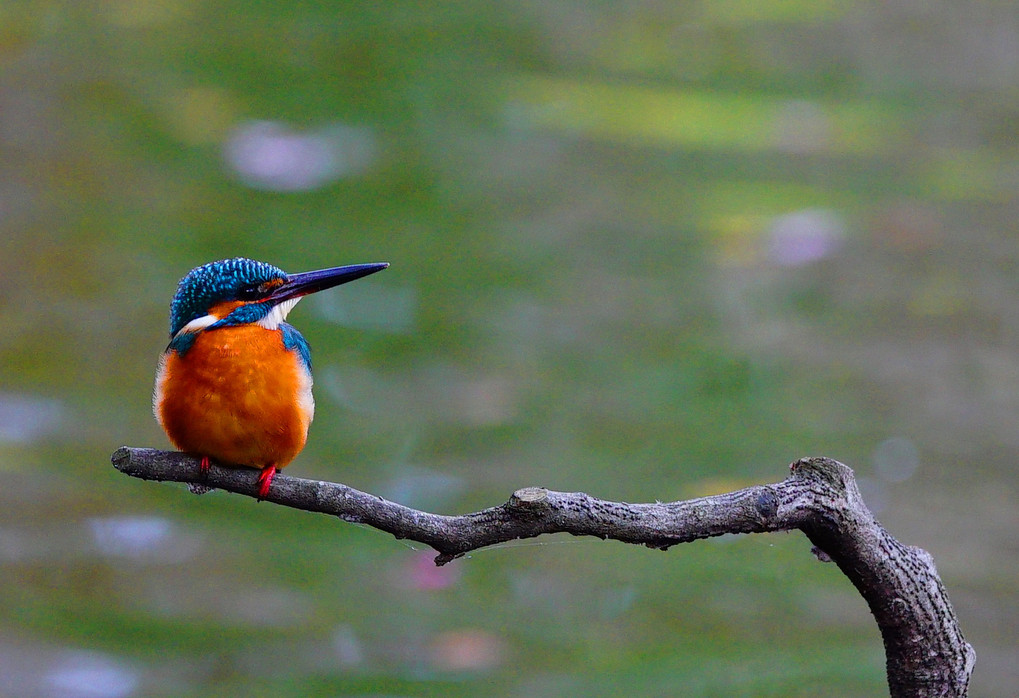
(258,287)
(237,279)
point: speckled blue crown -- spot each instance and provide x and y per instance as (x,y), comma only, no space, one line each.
(216,282)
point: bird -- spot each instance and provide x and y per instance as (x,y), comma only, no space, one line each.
(234,383)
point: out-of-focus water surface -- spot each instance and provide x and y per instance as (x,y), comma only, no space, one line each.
(644,250)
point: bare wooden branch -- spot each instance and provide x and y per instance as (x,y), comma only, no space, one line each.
(924,647)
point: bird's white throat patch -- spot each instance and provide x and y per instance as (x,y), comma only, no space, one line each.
(278,314)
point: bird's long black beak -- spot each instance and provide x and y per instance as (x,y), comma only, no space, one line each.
(298,285)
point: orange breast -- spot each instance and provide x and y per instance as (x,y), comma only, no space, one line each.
(238,396)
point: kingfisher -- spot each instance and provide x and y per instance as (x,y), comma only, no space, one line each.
(234,383)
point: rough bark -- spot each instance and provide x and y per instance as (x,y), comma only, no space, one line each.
(924,647)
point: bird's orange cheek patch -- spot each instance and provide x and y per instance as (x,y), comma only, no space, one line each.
(221,310)
(270,285)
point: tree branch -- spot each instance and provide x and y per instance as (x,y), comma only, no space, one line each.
(924,647)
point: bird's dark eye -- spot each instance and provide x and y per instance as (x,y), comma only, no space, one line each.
(250,293)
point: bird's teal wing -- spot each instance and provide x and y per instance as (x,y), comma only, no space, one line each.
(295,341)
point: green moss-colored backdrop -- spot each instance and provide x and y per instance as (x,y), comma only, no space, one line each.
(647,250)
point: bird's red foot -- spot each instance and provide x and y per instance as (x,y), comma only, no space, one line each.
(204,464)
(264,480)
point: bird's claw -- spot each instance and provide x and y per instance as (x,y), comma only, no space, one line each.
(265,480)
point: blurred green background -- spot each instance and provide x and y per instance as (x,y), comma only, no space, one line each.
(647,250)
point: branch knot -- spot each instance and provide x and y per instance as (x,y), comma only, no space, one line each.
(529,500)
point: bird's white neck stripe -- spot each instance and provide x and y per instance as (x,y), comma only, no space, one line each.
(197,325)
(270,322)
